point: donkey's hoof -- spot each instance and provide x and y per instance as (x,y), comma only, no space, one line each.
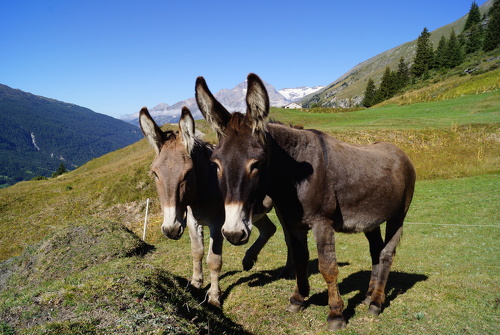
(293,308)
(248,263)
(334,325)
(374,310)
(367,301)
(196,283)
(214,302)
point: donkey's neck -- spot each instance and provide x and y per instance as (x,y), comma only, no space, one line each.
(295,155)
(208,197)
(292,141)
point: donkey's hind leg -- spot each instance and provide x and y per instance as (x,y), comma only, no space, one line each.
(376,245)
(266,230)
(394,230)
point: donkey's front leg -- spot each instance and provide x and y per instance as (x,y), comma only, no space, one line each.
(327,263)
(197,248)
(214,260)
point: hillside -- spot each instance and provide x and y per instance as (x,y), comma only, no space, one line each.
(80,269)
(110,186)
(348,89)
(38,133)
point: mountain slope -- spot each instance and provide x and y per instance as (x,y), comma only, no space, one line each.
(348,89)
(37,133)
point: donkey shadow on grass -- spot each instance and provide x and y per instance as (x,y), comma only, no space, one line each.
(397,284)
(263,278)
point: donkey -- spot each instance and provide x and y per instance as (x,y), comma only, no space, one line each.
(317,183)
(189,195)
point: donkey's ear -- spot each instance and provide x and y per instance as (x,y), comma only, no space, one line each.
(186,129)
(151,130)
(212,110)
(257,104)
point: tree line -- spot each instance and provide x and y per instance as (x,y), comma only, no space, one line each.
(480,33)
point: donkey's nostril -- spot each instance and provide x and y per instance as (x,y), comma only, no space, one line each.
(244,236)
(236,237)
(172,232)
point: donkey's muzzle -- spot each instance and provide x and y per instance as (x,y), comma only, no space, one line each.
(236,237)
(173,232)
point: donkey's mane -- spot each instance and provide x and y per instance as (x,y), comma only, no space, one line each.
(294,126)
(198,143)
(237,121)
(171,135)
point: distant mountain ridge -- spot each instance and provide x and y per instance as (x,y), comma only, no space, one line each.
(233,99)
(38,133)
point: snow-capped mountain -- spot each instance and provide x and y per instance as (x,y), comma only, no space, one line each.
(233,99)
(295,94)
(164,113)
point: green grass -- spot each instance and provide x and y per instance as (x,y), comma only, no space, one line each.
(92,278)
(465,110)
(463,201)
(445,278)
(440,272)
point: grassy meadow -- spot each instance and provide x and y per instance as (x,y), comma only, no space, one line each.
(445,278)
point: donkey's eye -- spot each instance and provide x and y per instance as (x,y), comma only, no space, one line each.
(218,167)
(253,167)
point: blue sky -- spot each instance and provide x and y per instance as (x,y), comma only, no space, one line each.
(116,56)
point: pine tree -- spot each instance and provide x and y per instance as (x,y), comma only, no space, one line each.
(440,54)
(424,58)
(473,39)
(454,51)
(472,36)
(474,16)
(403,74)
(492,35)
(387,87)
(370,94)
(62,169)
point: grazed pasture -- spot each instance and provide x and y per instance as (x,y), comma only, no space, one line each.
(445,278)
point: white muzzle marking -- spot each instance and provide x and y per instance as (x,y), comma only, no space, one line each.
(171,226)
(237,226)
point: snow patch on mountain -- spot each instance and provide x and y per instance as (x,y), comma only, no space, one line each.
(295,94)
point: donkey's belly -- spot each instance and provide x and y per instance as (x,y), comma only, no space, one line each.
(357,223)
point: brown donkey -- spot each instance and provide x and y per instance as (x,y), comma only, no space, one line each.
(317,183)
(189,195)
